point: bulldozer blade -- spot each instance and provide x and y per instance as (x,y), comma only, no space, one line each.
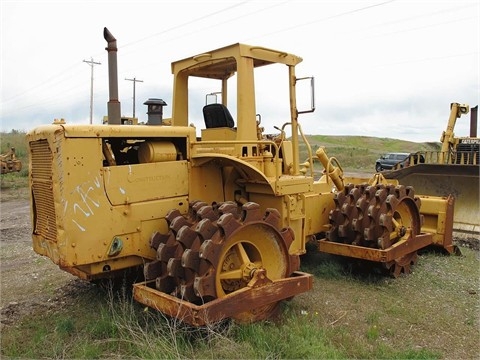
(462,182)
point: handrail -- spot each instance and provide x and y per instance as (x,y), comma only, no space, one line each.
(309,149)
(440,158)
(307,144)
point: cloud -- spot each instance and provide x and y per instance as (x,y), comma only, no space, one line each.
(387,69)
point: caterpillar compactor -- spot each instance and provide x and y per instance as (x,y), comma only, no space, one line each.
(10,162)
(218,215)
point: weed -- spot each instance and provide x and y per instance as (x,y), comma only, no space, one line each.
(65,326)
(348,314)
(373,318)
(373,333)
(413,354)
(342,317)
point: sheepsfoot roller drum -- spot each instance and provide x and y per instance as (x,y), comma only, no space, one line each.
(378,223)
(218,262)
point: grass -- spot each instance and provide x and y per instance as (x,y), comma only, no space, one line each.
(360,152)
(16,139)
(353,152)
(15,180)
(431,314)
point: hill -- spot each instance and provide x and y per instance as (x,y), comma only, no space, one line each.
(360,152)
(355,153)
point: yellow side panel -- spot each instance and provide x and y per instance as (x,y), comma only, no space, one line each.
(131,225)
(287,185)
(317,210)
(222,133)
(142,182)
(206,184)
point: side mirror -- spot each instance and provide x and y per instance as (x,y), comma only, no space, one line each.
(312,94)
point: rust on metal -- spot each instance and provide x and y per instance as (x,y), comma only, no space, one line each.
(397,250)
(259,292)
(10,162)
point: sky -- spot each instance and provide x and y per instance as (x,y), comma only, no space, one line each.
(387,69)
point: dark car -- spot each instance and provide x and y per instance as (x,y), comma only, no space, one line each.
(388,161)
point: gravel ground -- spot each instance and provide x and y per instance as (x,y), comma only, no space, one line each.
(32,284)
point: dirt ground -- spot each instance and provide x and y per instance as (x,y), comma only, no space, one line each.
(29,282)
(32,284)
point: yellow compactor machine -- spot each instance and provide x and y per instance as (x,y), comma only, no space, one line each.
(216,217)
(9,162)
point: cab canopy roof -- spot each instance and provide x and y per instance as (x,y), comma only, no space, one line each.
(222,63)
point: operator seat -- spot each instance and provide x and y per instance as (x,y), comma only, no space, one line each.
(217,115)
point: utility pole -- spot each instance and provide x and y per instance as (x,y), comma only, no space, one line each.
(92,64)
(134,81)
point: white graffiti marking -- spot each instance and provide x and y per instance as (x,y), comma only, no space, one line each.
(88,203)
(79,226)
(65,206)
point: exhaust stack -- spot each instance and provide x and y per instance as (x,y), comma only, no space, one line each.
(114,113)
(473,121)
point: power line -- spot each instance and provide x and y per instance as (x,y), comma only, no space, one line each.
(69,69)
(187,23)
(429,59)
(328,18)
(425,26)
(227,21)
(429,14)
(217,23)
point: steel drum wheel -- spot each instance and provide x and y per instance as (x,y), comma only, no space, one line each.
(215,250)
(377,217)
(255,246)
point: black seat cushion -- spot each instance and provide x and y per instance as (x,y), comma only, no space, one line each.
(217,115)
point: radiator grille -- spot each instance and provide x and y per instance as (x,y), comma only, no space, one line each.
(468,153)
(42,190)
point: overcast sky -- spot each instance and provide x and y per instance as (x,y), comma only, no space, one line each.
(381,68)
